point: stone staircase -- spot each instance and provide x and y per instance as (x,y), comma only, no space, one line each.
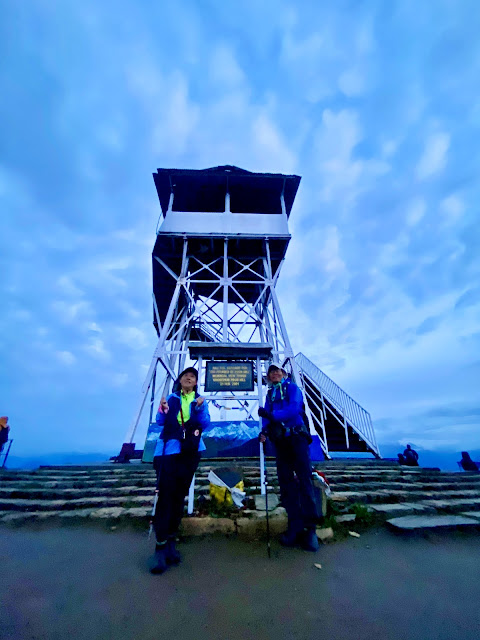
(112,493)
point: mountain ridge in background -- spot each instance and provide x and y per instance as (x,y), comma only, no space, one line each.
(444,459)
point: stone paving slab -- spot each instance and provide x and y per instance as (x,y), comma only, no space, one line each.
(403,486)
(431,522)
(19,517)
(348,517)
(58,505)
(384,496)
(273,501)
(401,508)
(471,514)
(49,493)
(458,505)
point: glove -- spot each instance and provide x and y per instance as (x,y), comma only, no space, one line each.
(263,413)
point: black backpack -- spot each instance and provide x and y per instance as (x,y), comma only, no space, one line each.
(279,429)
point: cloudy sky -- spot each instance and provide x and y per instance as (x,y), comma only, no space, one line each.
(375,104)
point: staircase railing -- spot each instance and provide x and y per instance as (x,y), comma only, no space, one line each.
(4,453)
(205,329)
(358,418)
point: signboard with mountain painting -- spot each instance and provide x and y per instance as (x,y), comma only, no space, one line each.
(232,438)
(228,439)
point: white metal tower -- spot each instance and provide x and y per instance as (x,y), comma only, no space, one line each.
(220,246)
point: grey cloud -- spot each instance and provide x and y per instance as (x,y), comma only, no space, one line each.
(468,299)
(428,325)
(464,411)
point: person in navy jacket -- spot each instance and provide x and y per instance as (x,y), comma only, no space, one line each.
(283,423)
(183,416)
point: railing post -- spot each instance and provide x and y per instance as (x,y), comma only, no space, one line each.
(7,452)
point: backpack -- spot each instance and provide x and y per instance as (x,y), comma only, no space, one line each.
(304,429)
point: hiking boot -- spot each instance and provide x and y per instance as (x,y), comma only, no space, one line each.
(158,562)
(172,556)
(289,538)
(310,541)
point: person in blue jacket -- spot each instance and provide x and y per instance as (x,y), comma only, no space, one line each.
(284,425)
(183,416)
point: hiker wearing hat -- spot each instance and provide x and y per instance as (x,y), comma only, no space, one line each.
(183,416)
(283,423)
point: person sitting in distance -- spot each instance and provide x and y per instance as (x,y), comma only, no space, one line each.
(467,463)
(410,456)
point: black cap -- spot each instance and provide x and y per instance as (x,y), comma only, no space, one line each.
(189,370)
(273,366)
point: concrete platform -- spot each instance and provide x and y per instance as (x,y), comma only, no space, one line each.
(88,584)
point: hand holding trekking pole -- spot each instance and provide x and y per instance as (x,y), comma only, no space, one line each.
(263,413)
(163,408)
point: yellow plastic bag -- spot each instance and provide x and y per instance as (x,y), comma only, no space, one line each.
(222,495)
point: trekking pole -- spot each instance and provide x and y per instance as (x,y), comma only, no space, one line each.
(150,529)
(266,501)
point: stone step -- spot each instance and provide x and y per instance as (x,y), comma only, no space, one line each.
(114,488)
(47,475)
(76,503)
(430,506)
(5,475)
(65,494)
(140,517)
(78,499)
(95,489)
(57,490)
(150,481)
(400,509)
(95,501)
(78,515)
(39,478)
(107,483)
(454,505)
(142,513)
(399,477)
(402,496)
(432,523)
(77,484)
(402,486)
(32,476)
(472,514)
(137,470)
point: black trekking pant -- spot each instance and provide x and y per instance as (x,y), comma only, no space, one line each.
(174,476)
(294,469)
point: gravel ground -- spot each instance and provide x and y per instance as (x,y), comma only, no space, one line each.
(83,583)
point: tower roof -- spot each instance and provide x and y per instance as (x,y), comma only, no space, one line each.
(205,189)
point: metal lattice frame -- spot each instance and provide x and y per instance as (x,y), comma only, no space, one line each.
(227,317)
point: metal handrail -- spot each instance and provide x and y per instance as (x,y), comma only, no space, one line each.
(205,329)
(5,453)
(359,419)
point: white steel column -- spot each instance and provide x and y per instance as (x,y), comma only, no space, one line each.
(260,404)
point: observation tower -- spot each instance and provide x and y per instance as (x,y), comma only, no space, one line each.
(221,241)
